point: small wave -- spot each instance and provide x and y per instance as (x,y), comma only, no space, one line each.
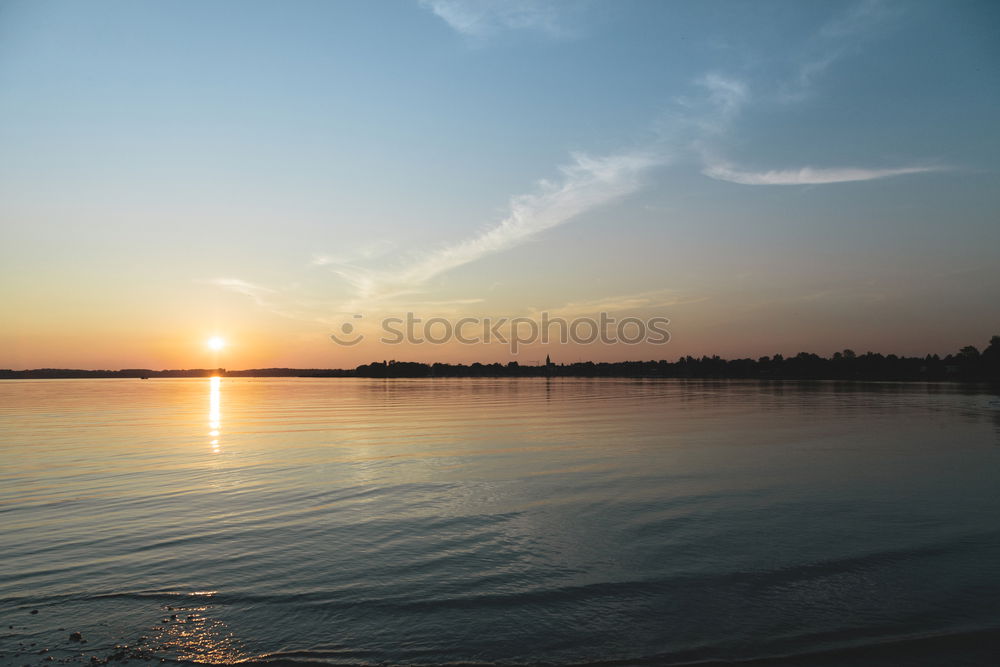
(153,595)
(969,647)
(625,589)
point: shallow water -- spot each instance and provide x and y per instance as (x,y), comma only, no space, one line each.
(357,521)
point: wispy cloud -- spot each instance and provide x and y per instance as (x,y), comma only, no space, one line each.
(861,18)
(362,253)
(807,175)
(260,294)
(480,18)
(284,303)
(711,110)
(726,94)
(586,183)
(725,97)
(840,36)
(614,304)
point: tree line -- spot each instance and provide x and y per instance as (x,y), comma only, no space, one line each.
(968,364)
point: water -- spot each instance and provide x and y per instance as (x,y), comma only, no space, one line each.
(353,521)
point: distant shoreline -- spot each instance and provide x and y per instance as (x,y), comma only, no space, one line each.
(968,365)
(485,376)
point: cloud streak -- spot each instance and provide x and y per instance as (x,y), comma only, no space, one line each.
(660,298)
(260,294)
(279,302)
(587,183)
(480,18)
(725,98)
(807,175)
(726,94)
(840,36)
(862,18)
(366,252)
(709,113)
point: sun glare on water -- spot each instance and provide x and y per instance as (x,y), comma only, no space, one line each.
(216,343)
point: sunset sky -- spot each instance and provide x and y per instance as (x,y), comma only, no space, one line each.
(770,176)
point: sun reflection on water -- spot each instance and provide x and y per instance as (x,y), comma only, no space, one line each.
(189,632)
(214,412)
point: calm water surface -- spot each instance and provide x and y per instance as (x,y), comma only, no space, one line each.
(352,521)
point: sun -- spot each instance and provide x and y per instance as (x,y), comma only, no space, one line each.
(216,343)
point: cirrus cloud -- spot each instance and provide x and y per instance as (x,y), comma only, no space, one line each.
(588,182)
(807,175)
(479,18)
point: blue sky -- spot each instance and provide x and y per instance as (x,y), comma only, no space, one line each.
(771,176)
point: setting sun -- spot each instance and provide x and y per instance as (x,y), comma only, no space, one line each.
(216,343)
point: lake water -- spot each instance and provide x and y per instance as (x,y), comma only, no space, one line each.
(513,521)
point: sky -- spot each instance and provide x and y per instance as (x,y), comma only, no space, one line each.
(772,177)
